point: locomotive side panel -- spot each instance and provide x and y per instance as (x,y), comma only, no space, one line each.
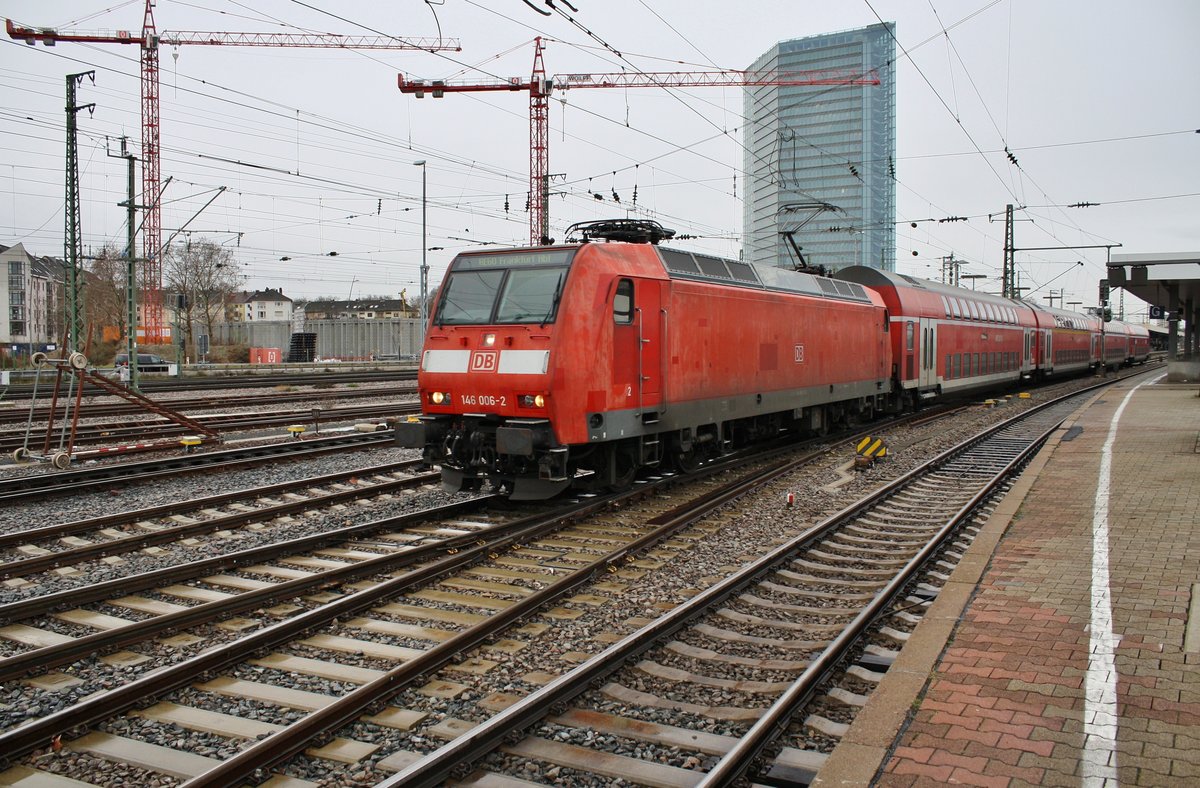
(732,342)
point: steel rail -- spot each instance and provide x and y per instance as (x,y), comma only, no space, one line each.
(15,538)
(235,770)
(198,383)
(71,597)
(158,428)
(472,745)
(40,485)
(128,544)
(19,741)
(777,717)
(39,659)
(211,401)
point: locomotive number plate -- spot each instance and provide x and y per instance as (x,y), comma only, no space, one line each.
(490,400)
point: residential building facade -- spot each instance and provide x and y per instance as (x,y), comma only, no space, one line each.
(823,156)
(259,305)
(360,309)
(31,291)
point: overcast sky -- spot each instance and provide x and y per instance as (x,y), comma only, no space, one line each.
(1096,99)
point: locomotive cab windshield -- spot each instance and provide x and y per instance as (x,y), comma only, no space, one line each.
(508,288)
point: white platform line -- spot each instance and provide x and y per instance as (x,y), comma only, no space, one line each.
(1100,704)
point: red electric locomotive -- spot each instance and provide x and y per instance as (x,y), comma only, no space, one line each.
(579,364)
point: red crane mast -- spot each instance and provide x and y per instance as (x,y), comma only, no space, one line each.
(540,88)
(149,42)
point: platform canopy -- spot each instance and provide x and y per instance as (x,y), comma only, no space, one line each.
(1168,280)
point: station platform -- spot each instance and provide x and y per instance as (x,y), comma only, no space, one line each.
(1065,649)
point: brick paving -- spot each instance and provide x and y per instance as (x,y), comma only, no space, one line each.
(1004,705)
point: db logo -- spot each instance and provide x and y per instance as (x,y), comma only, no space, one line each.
(484,361)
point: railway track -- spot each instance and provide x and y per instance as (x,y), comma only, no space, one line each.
(462,617)
(155,428)
(74,544)
(34,487)
(105,409)
(151,384)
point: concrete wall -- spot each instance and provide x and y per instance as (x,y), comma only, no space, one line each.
(343,339)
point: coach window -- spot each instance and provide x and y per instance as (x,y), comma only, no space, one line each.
(946,306)
(908,336)
(954,306)
(623,303)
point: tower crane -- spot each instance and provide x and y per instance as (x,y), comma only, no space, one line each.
(149,42)
(540,87)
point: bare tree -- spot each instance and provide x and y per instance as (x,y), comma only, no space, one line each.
(205,274)
(105,305)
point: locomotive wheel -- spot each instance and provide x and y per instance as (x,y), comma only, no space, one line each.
(687,461)
(624,470)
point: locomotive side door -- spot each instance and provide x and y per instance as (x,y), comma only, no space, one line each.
(928,349)
(637,344)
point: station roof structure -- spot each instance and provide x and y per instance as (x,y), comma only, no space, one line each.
(1168,280)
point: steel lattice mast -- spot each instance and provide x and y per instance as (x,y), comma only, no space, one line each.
(540,88)
(72,237)
(148,42)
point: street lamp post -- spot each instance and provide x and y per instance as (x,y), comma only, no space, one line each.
(424,250)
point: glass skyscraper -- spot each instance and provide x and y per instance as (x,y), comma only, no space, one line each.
(810,148)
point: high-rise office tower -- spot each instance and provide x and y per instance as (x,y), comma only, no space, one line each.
(813,148)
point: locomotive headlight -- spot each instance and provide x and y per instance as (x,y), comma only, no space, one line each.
(533,401)
(489,340)
(439,397)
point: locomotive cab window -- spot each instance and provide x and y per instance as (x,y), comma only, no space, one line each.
(503,288)
(623,303)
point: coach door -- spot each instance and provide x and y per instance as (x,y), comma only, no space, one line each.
(928,354)
(637,345)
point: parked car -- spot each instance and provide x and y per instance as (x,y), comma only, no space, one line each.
(147,362)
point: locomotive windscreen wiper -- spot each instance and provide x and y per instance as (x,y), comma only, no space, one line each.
(555,300)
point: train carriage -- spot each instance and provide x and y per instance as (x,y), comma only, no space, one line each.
(946,339)
(1126,344)
(1067,342)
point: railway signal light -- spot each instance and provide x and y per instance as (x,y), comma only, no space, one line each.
(1103,292)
